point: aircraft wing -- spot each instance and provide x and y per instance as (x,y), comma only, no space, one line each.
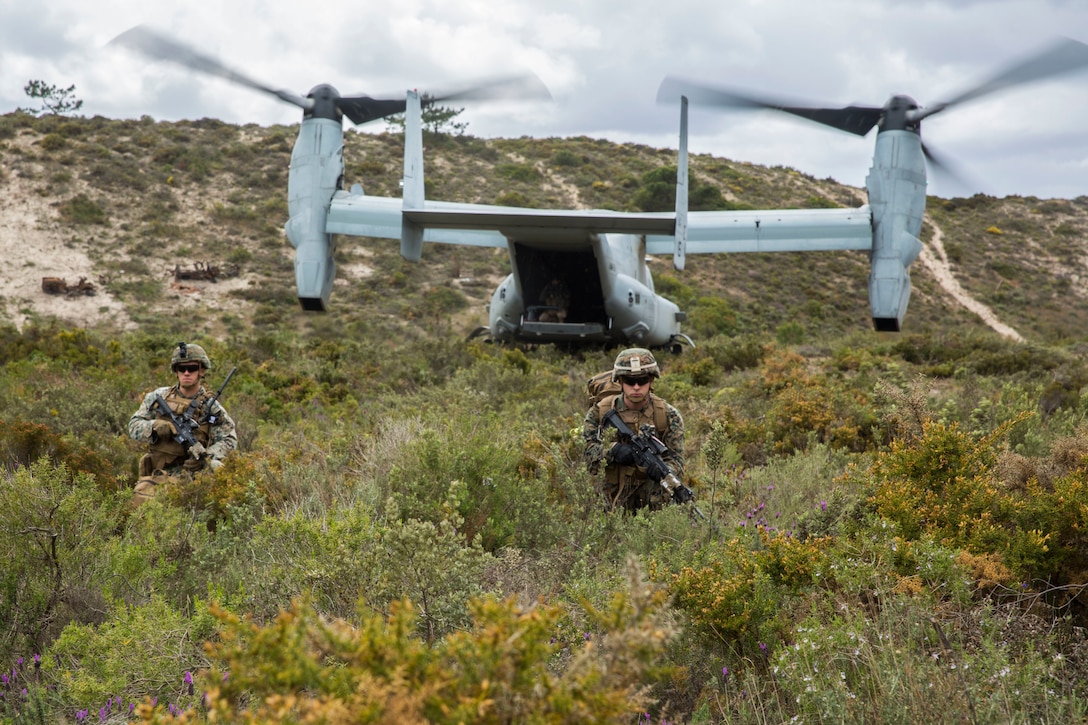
(480,224)
(788,230)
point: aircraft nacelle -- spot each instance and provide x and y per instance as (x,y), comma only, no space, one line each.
(317,170)
(897,196)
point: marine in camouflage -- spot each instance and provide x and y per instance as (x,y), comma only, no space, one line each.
(624,486)
(167,460)
(219,438)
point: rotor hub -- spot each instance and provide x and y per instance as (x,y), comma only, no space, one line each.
(326,103)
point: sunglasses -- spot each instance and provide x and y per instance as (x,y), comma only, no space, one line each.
(644,380)
(195,368)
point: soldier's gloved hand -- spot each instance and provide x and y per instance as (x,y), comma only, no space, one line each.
(656,471)
(197,450)
(162,429)
(192,465)
(623,454)
(682,494)
(214,463)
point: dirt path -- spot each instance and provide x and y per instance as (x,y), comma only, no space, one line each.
(935,260)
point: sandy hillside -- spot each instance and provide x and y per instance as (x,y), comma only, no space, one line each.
(33,246)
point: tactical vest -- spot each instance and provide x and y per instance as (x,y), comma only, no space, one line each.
(634,419)
(168,452)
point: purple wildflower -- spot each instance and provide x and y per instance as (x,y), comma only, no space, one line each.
(823,505)
(725,673)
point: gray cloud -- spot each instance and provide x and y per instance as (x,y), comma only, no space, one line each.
(603,62)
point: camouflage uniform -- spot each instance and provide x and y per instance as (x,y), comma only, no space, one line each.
(555,297)
(166,459)
(628,486)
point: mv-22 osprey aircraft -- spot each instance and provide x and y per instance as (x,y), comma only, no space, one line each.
(601,255)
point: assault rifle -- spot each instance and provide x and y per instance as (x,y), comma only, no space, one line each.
(185,424)
(647,452)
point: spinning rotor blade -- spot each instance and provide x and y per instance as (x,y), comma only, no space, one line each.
(361,109)
(951,173)
(153,45)
(526,86)
(1063,56)
(857,120)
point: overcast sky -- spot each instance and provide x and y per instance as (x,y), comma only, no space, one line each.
(603,62)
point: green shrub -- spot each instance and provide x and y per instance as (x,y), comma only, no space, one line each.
(54,530)
(944,485)
(139,651)
(518,172)
(712,316)
(501,669)
(564,157)
(514,198)
(81,209)
(738,594)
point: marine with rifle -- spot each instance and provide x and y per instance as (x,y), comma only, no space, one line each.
(631,479)
(184,425)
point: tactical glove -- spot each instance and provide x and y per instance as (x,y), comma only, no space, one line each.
(192,465)
(162,429)
(622,454)
(682,494)
(655,471)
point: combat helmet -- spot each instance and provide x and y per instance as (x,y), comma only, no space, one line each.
(184,352)
(634,362)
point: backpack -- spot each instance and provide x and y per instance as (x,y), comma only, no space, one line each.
(601,386)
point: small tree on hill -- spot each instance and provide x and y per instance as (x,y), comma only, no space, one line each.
(436,119)
(55,101)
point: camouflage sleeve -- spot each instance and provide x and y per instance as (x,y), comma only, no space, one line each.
(139,425)
(591,434)
(224,436)
(674,440)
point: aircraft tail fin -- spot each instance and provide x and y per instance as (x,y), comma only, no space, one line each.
(682,190)
(413,194)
